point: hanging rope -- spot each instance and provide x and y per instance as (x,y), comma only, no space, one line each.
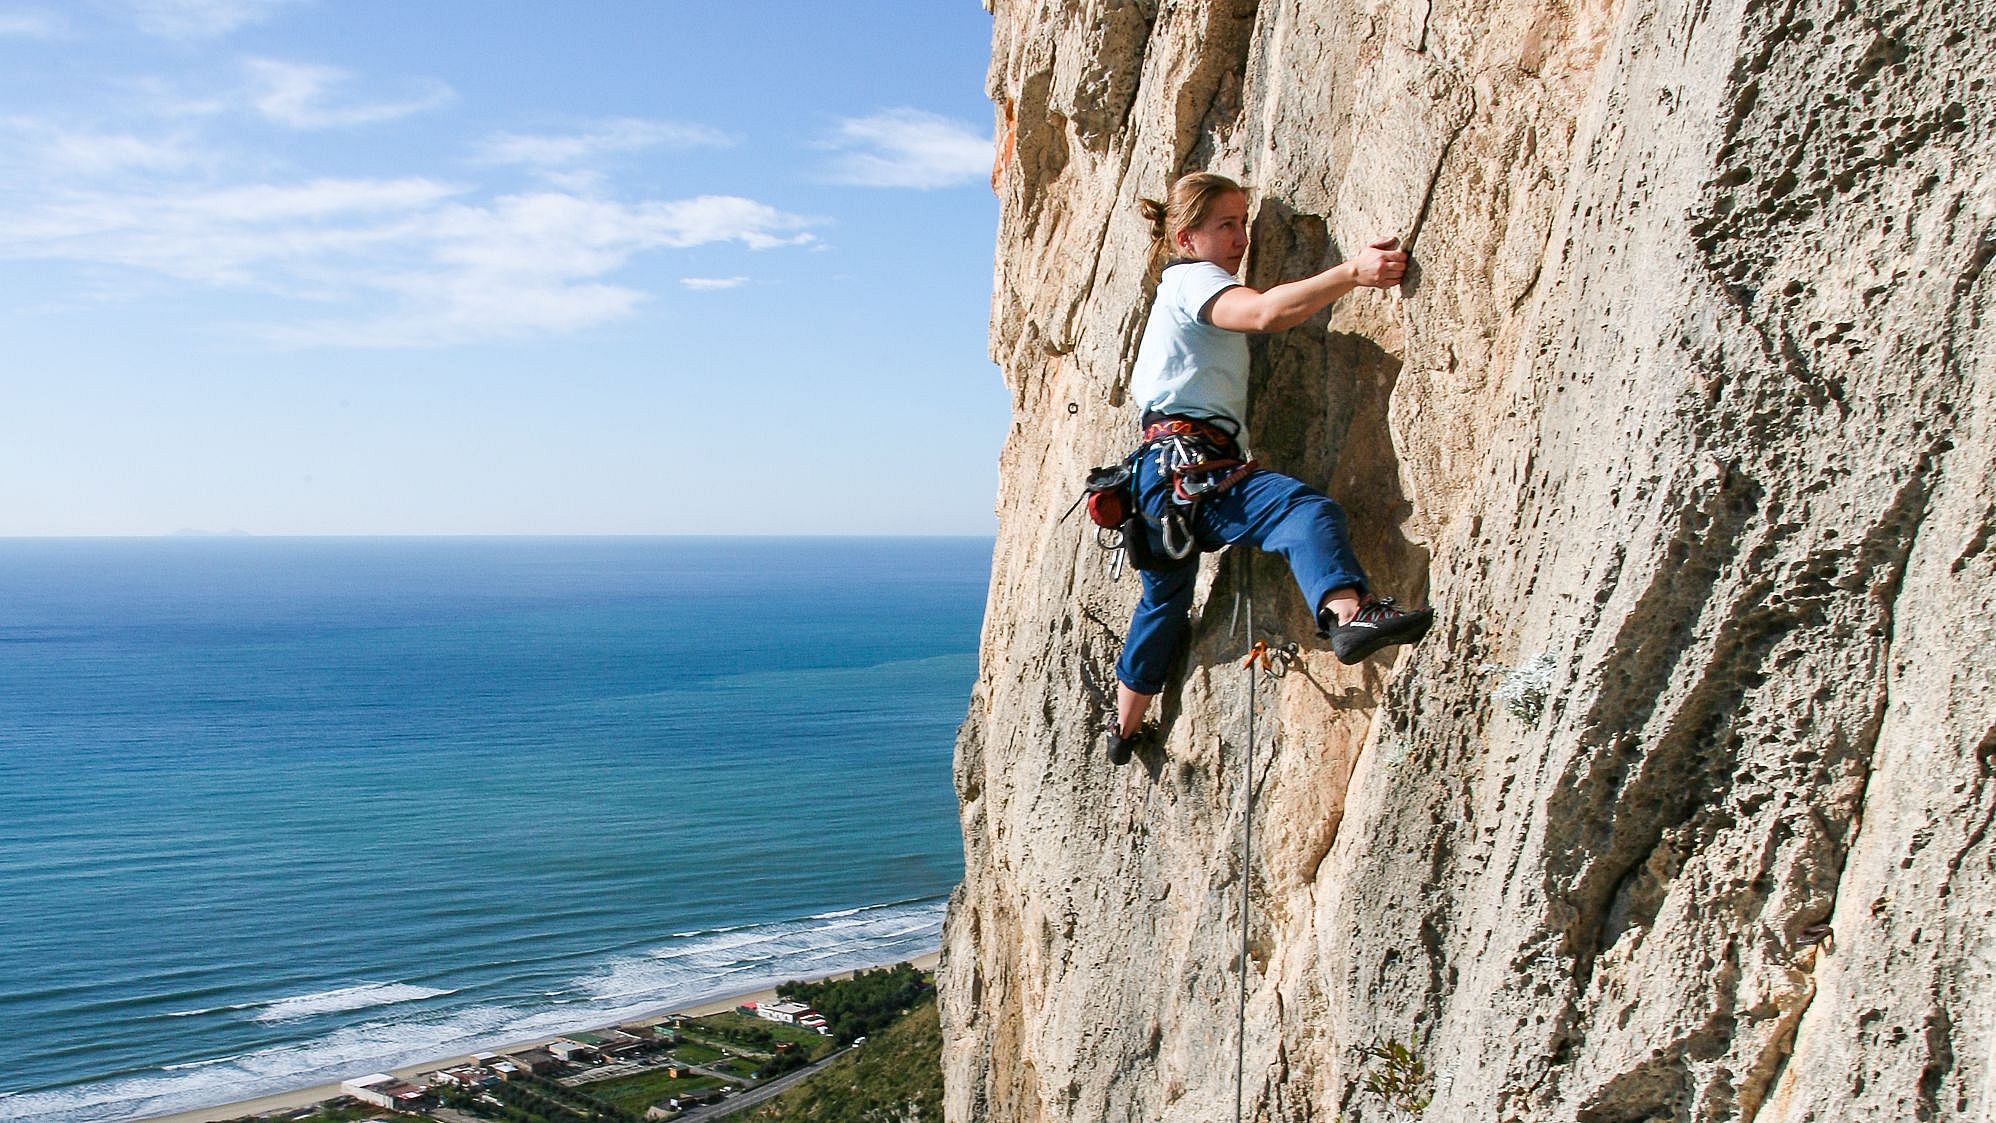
(1257,654)
(1276,662)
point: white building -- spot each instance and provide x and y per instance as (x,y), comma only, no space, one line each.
(785,1012)
(465,1076)
(383,1090)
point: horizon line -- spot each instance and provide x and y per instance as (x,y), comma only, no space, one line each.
(234,535)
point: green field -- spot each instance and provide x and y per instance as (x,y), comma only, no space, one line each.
(757,1035)
(637,1092)
(694,1053)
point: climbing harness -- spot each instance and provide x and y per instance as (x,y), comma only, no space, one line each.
(1201,457)
(1202,460)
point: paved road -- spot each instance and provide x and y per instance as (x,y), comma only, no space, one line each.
(749,1099)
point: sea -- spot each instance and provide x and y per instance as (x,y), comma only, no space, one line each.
(282,812)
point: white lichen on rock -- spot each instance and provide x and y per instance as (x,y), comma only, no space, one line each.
(1523,690)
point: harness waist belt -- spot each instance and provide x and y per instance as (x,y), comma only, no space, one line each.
(1157,428)
(1202,458)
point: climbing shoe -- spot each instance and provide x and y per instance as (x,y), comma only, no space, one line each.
(1120,747)
(1378,624)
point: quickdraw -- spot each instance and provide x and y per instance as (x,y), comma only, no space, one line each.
(1273,661)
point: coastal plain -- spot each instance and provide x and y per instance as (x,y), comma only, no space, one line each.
(286,1102)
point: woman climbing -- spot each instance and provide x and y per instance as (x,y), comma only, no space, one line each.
(1194,482)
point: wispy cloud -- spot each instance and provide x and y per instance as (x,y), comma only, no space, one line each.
(200,19)
(407,261)
(535,264)
(267,236)
(303,96)
(909,148)
(708,284)
(159,198)
(68,153)
(31,24)
(606,138)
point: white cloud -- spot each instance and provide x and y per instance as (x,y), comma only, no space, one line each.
(62,153)
(302,96)
(909,148)
(708,284)
(454,308)
(200,19)
(621,134)
(158,203)
(281,238)
(409,261)
(31,24)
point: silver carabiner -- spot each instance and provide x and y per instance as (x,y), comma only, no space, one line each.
(1179,541)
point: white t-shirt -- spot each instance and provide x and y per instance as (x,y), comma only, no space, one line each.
(1186,365)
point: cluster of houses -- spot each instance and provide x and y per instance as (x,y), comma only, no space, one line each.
(487,1069)
(603,1046)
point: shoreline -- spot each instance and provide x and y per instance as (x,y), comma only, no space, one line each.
(319,1093)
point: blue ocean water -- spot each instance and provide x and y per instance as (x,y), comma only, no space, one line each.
(281,812)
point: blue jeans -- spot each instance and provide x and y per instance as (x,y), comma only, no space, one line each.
(1267,510)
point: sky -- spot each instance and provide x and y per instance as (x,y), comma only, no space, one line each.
(496,267)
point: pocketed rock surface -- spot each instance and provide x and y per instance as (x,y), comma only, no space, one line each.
(1684,422)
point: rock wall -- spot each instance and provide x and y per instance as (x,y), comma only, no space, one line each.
(1684,421)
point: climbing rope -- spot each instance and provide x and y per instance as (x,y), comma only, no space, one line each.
(1256,655)
(1274,660)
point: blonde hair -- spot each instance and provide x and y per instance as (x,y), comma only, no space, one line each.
(1191,200)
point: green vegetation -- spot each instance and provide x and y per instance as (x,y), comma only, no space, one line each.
(755,1034)
(639,1091)
(694,1053)
(783,1062)
(531,1099)
(863,1004)
(897,1075)
(1401,1079)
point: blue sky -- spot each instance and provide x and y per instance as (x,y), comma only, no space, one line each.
(488,266)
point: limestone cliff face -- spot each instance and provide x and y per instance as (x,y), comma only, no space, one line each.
(1684,422)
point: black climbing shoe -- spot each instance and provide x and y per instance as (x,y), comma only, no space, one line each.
(1378,624)
(1120,747)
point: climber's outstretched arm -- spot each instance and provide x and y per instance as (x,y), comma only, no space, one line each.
(1379,265)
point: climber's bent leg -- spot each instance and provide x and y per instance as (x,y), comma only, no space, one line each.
(1281,515)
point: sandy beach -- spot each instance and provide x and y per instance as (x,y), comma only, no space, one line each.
(304,1097)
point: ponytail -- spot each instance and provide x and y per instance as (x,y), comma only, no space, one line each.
(1155,213)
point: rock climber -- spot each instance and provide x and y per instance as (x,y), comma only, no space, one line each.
(1193,481)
